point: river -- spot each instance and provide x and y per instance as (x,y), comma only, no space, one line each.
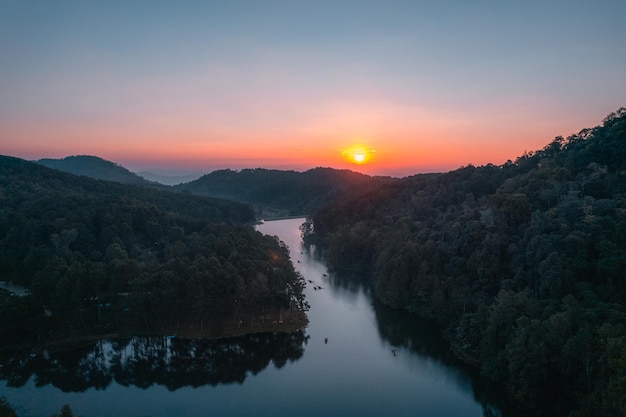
(355,358)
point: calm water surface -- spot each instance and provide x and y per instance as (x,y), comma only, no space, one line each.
(342,364)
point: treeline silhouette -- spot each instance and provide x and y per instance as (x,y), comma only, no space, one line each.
(521,264)
(99,256)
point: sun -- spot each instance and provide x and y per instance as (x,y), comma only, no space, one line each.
(358,154)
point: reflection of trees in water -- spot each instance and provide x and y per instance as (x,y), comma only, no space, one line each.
(145,361)
(350,282)
(398,327)
(421,337)
(404,330)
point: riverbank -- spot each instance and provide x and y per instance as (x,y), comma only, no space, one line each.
(270,322)
(276,217)
(276,321)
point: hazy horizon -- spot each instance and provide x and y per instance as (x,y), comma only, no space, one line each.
(296,85)
(206,168)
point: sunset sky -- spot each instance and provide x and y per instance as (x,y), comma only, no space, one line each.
(200,85)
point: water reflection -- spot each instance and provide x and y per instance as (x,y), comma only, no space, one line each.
(417,342)
(146,361)
(353,372)
(418,336)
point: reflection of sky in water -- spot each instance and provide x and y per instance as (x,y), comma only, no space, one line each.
(356,369)
(355,373)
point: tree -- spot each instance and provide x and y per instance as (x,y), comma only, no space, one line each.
(5,408)
(66,411)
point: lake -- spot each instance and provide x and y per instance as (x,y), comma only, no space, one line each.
(356,357)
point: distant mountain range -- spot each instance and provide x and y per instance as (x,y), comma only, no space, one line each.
(272,193)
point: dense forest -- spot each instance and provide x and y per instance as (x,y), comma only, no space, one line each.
(522,265)
(99,256)
(279,193)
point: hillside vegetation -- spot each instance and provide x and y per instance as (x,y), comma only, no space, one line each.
(99,256)
(523,265)
(272,193)
(98,168)
(279,193)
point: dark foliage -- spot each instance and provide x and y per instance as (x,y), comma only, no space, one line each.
(521,264)
(274,192)
(5,409)
(101,256)
(98,168)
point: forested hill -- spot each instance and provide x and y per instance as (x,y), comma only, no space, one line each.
(98,168)
(523,265)
(275,192)
(32,182)
(105,257)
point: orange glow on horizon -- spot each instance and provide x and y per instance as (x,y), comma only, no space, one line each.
(358,154)
(401,149)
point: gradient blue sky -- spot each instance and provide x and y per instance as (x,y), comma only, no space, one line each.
(199,85)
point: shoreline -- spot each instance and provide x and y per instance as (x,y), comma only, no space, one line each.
(294,321)
(272,219)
